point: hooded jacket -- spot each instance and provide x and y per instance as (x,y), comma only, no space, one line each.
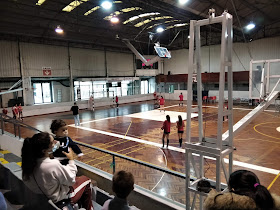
(232,201)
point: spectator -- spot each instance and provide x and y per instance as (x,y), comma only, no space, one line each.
(47,176)
(75,110)
(245,192)
(166,130)
(60,130)
(123,184)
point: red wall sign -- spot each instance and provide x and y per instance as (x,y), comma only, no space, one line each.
(47,71)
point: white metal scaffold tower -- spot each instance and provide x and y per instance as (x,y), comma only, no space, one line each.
(216,148)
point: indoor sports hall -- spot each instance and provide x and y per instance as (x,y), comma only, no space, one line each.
(128,65)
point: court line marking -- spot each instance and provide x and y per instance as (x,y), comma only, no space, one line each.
(237,163)
(236,108)
(255,128)
(115,117)
(163,172)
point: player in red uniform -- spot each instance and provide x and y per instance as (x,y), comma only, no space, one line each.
(180,126)
(5,112)
(155,95)
(117,101)
(166,130)
(20,116)
(161,104)
(15,111)
(181,99)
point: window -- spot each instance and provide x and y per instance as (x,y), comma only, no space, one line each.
(42,93)
(144,87)
(99,88)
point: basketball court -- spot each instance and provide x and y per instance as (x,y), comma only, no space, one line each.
(134,130)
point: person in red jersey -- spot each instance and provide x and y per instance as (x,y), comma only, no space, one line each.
(161,104)
(117,101)
(166,130)
(15,111)
(20,116)
(155,95)
(5,112)
(180,126)
(181,99)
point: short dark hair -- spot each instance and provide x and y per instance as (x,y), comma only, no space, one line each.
(123,184)
(56,124)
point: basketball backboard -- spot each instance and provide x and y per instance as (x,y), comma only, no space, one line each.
(162,52)
(264,75)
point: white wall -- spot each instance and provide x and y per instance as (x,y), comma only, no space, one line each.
(120,64)
(85,62)
(268,48)
(178,63)
(36,56)
(9,62)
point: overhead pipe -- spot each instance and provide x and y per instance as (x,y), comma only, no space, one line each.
(139,56)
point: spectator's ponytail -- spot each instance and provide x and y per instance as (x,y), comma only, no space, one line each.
(263,198)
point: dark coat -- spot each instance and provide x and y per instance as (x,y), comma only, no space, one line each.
(232,201)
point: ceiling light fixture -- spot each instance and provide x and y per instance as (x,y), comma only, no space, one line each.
(115,19)
(183,1)
(160,29)
(106,5)
(250,26)
(59,30)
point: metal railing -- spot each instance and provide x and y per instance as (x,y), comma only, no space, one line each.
(18,124)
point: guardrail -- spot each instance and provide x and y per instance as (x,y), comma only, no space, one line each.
(17,133)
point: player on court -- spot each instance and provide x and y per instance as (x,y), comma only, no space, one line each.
(20,116)
(166,130)
(181,99)
(117,101)
(155,97)
(180,126)
(161,104)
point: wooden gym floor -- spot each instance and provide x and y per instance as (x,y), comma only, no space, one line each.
(257,145)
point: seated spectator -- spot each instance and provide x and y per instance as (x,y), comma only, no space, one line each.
(3,204)
(60,129)
(49,177)
(123,184)
(245,192)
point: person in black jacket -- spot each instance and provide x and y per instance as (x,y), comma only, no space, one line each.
(59,128)
(75,110)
